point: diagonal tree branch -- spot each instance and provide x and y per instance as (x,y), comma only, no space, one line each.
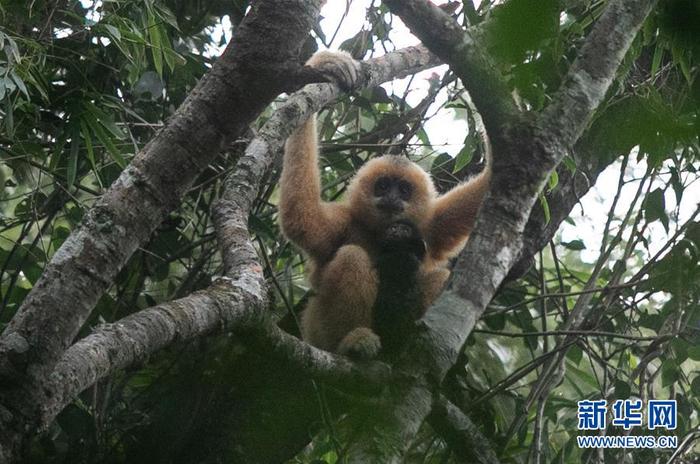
(590,76)
(227,306)
(572,186)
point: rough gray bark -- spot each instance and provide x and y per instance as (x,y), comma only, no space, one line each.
(247,77)
(526,150)
(253,70)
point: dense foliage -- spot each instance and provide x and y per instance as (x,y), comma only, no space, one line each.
(85,85)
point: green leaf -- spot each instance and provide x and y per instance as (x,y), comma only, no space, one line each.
(583,375)
(38,82)
(58,236)
(694,353)
(32,271)
(379,95)
(105,120)
(166,15)
(73,156)
(575,354)
(14,55)
(107,141)
(156,45)
(680,349)
(20,84)
(423,136)
(496,321)
(651,321)
(553,180)
(622,390)
(576,245)
(669,373)
(85,132)
(656,60)
(655,208)
(695,386)
(9,84)
(113,31)
(168,53)
(519,26)
(680,57)
(545,208)
(647,122)
(676,184)
(465,155)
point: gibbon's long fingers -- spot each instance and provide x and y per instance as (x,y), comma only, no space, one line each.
(340,67)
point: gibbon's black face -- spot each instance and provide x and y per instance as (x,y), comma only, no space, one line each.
(391,188)
(392,194)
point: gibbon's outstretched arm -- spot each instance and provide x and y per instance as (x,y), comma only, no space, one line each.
(454,215)
(314,225)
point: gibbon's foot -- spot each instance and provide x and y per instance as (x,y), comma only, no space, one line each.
(403,237)
(339,67)
(361,343)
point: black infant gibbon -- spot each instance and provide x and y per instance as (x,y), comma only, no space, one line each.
(391,224)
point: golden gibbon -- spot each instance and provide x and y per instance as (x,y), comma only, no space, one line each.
(390,224)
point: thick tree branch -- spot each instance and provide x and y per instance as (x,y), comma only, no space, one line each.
(590,76)
(572,186)
(230,215)
(228,305)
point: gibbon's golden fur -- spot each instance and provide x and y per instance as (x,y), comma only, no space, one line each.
(340,238)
